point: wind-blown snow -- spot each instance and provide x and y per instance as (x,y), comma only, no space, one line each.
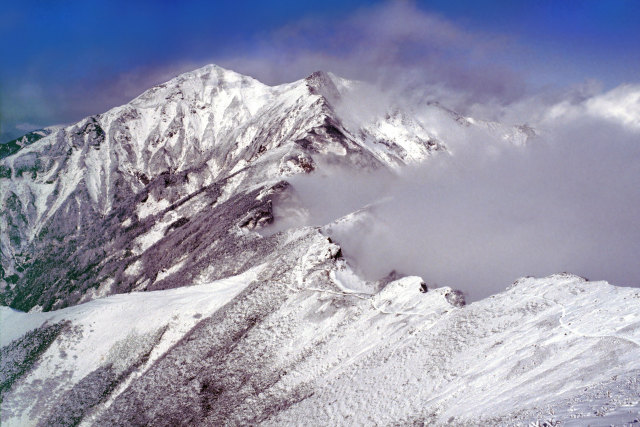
(504,359)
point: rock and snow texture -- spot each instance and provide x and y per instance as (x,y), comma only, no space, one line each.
(551,349)
(132,238)
(285,351)
(117,332)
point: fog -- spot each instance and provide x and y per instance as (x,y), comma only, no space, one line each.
(491,212)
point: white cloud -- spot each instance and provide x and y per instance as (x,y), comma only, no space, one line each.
(621,104)
(567,201)
(27,127)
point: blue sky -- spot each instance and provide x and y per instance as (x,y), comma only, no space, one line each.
(63,60)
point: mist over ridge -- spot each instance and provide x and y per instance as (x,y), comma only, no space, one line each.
(488,212)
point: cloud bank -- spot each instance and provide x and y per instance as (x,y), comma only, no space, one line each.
(490,213)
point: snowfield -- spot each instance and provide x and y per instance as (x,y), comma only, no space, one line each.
(508,358)
(105,331)
(545,350)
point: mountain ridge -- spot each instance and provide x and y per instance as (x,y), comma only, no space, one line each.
(136,244)
(184,135)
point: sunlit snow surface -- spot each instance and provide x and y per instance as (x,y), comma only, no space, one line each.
(97,327)
(557,348)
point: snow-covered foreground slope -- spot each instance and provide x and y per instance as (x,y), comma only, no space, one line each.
(553,349)
(557,348)
(119,330)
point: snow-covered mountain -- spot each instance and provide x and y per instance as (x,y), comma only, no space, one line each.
(160,201)
(84,207)
(90,209)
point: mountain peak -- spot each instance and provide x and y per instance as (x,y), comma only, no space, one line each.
(199,84)
(215,68)
(177,189)
(319,74)
(324,84)
(215,73)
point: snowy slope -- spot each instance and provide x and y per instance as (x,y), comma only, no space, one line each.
(558,345)
(114,330)
(548,350)
(210,131)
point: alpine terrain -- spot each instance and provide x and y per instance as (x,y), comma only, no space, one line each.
(155,270)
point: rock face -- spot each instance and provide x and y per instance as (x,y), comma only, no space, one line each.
(132,238)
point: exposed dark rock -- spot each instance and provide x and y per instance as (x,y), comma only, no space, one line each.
(392,276)
(455,298)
